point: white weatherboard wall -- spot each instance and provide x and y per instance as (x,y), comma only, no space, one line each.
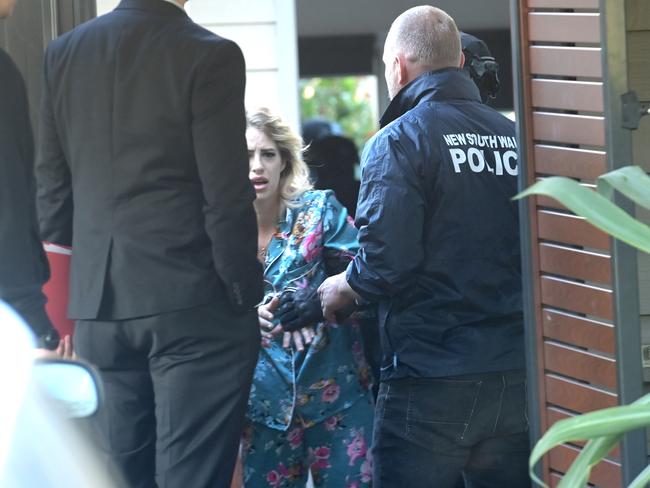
(266,32)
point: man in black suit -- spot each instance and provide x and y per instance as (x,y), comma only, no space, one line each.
(23,267)
(143,128)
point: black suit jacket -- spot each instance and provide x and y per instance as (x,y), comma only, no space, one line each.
(23,267)
(143,127)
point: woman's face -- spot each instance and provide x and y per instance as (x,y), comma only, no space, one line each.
(265,164)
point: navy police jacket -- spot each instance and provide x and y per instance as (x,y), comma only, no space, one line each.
(439,232)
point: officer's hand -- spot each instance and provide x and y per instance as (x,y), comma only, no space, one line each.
(336,296)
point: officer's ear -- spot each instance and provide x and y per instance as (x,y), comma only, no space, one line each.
(462,60)
(402,68)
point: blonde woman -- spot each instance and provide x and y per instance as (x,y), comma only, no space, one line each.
(310,407)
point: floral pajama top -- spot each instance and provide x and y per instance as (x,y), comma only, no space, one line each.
(331,374)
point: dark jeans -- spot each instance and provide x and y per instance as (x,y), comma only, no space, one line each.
(433,432)
(176,387)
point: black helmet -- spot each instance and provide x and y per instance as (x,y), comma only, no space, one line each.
(481,66)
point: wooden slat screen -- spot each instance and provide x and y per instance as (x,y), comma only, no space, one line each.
(555,480)
(582,164)
(565,136)
(568,95)
(565,61)
(575,263)
(606,473)
(564,4)
(583,365)
(577,297)
(569,128)
(570,229)
(580,331)
(564,27)
(555,414)
(577,396)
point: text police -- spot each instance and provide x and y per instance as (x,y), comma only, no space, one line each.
(478,153)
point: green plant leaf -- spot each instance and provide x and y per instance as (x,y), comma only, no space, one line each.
(592,453)
(598,210)
(631,181)
(605,422)
(642,479)
(605,426)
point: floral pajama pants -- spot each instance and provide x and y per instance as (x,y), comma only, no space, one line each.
(337,451)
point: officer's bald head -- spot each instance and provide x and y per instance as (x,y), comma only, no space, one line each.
(426,38)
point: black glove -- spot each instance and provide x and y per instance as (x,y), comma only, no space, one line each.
(298,309)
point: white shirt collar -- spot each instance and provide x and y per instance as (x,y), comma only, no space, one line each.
(174,2)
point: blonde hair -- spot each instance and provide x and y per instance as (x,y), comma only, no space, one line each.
(294,179)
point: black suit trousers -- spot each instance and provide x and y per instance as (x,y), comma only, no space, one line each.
(176,387)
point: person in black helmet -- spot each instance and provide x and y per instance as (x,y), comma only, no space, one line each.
(481,66)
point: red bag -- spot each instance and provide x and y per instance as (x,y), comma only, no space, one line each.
(57,289)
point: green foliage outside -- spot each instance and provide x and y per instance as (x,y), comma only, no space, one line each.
(347,101)
(603,429)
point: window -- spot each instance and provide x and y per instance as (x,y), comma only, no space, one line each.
(349,102)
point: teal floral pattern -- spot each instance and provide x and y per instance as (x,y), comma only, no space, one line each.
(336,451)
(331,374)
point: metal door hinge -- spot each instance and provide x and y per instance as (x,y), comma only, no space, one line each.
(633,110)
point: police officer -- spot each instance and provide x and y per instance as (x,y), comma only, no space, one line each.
(440,256)
(482,68)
